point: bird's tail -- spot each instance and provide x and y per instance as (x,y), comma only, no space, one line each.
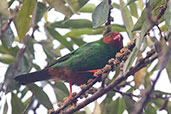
(33,77)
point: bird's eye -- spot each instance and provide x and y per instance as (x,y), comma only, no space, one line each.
(111,35)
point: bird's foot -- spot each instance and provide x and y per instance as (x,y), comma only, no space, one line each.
(96,72)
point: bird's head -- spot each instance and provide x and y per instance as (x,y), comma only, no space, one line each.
(114,39)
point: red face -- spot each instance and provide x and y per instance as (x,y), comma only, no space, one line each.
(114,39)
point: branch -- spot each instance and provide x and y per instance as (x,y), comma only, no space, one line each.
(12,16)
(103,90)
(163,60)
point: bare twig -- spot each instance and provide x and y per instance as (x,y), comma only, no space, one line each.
(13,15)
(28,105)
(139,106)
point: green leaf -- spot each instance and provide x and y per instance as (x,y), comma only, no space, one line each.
(130,60)
(150,109)
(60,90)
(168,67)
(133,9)
(131,1)
(54,34)
(8,35)
(39,11)
(17,105)
(75,5)
(152,4)
(88,8)
(40,95)
(140,4)
(115,5)
(51,53)
(127,18)
(61,6)
(167,15)
(23,18)
(72,24)
(100,14)
(4,8)
(7,58)
(129,103)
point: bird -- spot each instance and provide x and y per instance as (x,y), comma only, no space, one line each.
(80,65)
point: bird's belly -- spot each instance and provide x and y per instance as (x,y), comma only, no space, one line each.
(67,75)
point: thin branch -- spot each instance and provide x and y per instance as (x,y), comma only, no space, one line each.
(28,105)
(101,91)
(12,16)
(139,106)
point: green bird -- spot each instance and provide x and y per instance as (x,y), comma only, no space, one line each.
(80,65)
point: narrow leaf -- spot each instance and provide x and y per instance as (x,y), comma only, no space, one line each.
(88,8)
(127,18)
(100,14)
(7,59)
(8,35)
(75,5)
(54,34)
(4,8)
(167,15)
(72,24)
(39,11)
(60,90)
(130,60)
(17,105)
(60,6)
(40,95)
(23,18)
(133,9)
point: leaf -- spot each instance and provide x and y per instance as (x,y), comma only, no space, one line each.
(151,4)
(39,11)
(139,77)
(54,34)
(7,58)
(118,106)
(23,18)
(60,90)
(4,8)
(8,35)
(130,1)
(100,14)
(130,60)
(51,53)
(129,103)
(133,9)
(140,4)
(167,15)
(127,18)
(60,6)
(168,67)
(75,5)
(40,95)
(97,109)
(150,109)
(17,105)
(72,24)
(88,8)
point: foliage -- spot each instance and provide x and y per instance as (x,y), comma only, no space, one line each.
(18,51)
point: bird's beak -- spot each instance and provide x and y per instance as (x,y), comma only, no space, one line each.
(118,37)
